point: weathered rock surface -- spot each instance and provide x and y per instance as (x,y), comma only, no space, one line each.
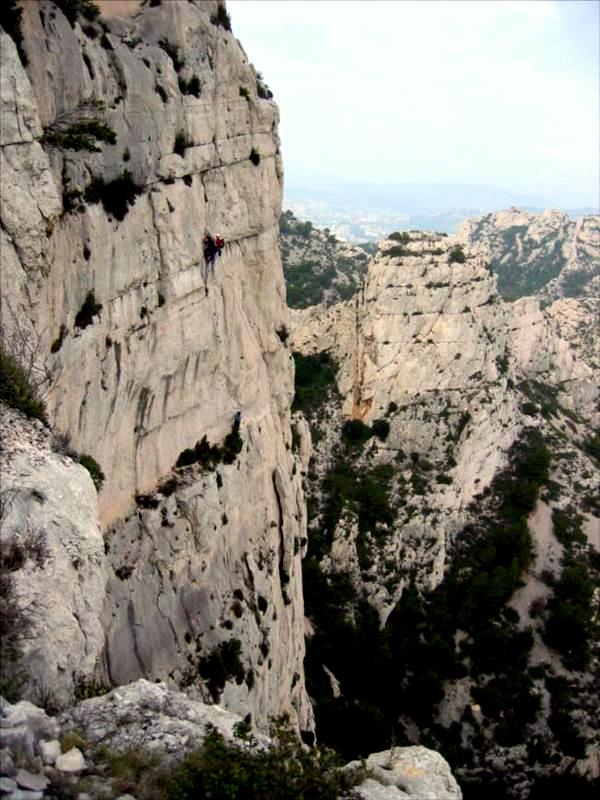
(165,360)
(148,715)
(546,252)
(424,345)
(408,773)
(50,511)
(145,716)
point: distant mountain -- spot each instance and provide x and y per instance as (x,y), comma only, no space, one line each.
(318,267)
(361,211)
(549,253)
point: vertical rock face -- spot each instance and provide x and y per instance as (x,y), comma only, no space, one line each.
(429,347)
(156,358)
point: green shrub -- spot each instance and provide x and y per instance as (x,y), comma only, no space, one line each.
(208,456)
(116,196)
(87,312)
(81,135)
(255,156)
(314,380)
(57,343)
(355,432)
(457,255)
(569,624)
(16,389)
(396,252)
(592,446)
(398,236)
(193,86)
(230,771)
(222,665)
(530,409)
(93,468)
(221,18)
(566,526)
(181,143)
(381,429)
(232,447)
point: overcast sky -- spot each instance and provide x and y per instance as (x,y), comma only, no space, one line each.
(489,92)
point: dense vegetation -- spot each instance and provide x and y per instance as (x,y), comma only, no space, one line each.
(394,679)
(116,196)
(16,389)
(221,770)
(397,674)
(316,264)
(315,377)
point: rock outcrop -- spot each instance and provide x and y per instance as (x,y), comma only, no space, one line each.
(545,253)
(102,267)
(408,773)
(50,517)
(154,723)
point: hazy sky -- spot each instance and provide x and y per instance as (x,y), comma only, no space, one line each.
(472,91)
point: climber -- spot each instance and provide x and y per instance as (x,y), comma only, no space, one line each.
(212,249)
(236,421)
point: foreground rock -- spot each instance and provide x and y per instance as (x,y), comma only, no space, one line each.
(408,773)
(147,717)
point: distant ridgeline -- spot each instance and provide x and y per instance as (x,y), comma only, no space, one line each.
(319,267)
(546,253)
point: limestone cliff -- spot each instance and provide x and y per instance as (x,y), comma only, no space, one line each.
(102,267)
(452,488)
(429,347)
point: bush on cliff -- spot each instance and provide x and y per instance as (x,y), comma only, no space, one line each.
(234,771)
(16,389)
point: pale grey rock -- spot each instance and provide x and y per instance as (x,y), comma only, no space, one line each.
(49,751)
(22,725)
(162,364)
(32,781)
(52,495)
(429,346)
(7,785)
(7,765)
(410,773)
(148,715)
(25,794)
(547,253)
(71,761)
(426,336)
